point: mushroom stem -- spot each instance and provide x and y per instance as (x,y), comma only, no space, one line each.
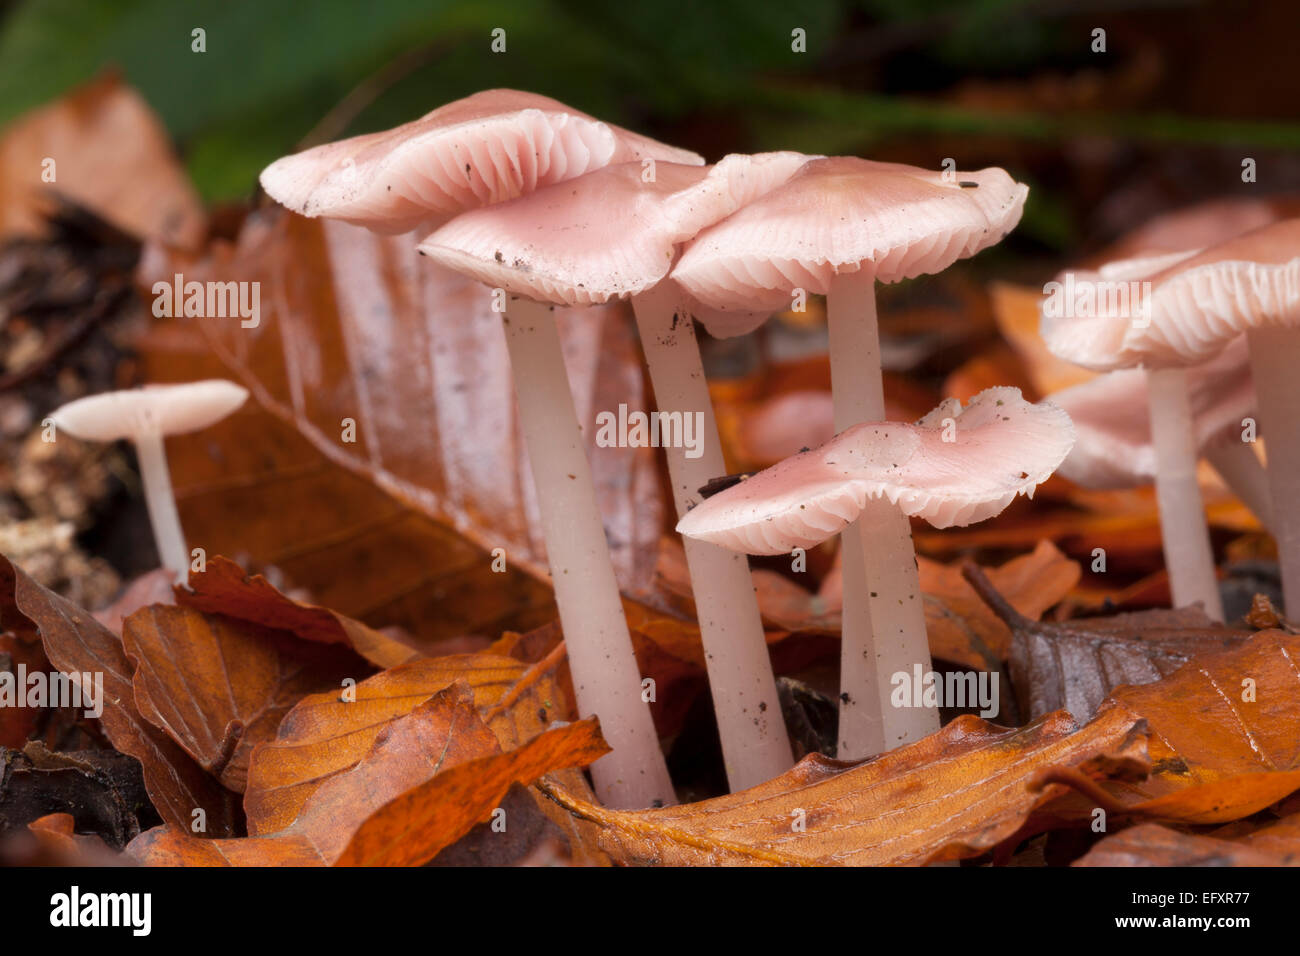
(1274,354)
(884,616)
(755,743)
(161,502)
(1243,473)
(605,675)
(1183,530)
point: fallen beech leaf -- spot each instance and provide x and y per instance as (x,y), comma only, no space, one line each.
(413,827)
(1216,756)
(1227,712)
(253,488)
(218,686)
(1075,665)
(355,325)
(438,766)
(76,643)
(1150,844)
(224,588)
(325,735)
(113,156)
(954,794)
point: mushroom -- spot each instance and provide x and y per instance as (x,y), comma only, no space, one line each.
(834,228)
(488,148)
(145,416)
(609,235)
(485,148)
(956,466)
(1191,306)
(1115,449)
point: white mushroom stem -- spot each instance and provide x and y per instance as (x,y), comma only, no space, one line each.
(605,675)
(755,743)
(1241,470)
(1274,360)
(884,634)
(1183,529)
(161,502)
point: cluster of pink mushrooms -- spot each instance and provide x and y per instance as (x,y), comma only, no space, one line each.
(551,208)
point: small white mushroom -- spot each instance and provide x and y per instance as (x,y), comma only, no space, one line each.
(145,416)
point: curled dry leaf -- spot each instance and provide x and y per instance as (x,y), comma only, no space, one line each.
(954,794)
(143,190)
(1150,844)
(1075,665)
(224,588)
(1228,712)
(327,734)
(76,643)
(1225,740)
(427,779)
(218,686)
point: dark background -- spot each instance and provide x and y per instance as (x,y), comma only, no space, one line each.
(1184,91)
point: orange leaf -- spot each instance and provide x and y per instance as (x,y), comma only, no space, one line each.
(76,643)
(954,794)
(325,735)
(413,753)
(219,686)
(142,190)
(224,588)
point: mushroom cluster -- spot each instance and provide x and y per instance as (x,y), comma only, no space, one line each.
(1195,315)
(551,208)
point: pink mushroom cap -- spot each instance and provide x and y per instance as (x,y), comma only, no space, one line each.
(837,215)
(1001,446)
(1176,309)
(1110,414)
(483,149)
(606,235)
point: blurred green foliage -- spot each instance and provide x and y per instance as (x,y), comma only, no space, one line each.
(273,68)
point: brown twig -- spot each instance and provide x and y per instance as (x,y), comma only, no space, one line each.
(990,595)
